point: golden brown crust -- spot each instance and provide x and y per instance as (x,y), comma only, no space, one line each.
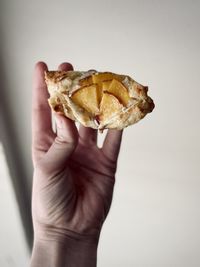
(61,86)
(56,76)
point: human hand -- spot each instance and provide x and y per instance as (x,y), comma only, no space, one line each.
(73,178)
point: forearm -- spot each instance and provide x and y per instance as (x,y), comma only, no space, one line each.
(71,253)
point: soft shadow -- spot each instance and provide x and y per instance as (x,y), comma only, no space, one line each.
(14,155)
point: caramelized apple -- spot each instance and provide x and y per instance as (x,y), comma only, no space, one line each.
(109,106)
(105,76)
(119,91)
(106,85)
(87,98)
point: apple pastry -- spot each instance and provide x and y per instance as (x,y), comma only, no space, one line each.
(100,100)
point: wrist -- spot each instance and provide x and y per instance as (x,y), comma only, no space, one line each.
(64,248)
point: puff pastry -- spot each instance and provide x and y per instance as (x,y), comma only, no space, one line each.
(100,100)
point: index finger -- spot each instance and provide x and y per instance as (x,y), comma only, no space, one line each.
(41,112)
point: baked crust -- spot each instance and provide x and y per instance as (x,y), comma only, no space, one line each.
(63,84)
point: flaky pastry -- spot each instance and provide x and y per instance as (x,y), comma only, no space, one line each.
(100,100)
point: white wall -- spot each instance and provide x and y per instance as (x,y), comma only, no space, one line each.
(155,214)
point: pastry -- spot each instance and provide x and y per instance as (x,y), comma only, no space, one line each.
(100,100)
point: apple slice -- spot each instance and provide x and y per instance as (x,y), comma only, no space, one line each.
(87,98)
(120,91)
(106,85)
(100,77)
(105,76)
(109,106)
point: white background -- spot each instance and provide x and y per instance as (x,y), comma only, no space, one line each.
(155,215)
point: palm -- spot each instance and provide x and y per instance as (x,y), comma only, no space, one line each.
(80,196)
(93,175)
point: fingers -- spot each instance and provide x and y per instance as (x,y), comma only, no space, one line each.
(63,145)
(111,145)
(41,113)
(88,136)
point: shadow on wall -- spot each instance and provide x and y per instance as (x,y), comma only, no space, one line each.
(13,156)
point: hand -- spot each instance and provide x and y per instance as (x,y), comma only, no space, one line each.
(73,178)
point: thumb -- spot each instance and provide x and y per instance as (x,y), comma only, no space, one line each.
(64,143)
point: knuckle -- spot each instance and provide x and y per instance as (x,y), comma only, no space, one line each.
(64,141)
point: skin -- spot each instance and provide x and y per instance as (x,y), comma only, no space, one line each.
(72,184)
